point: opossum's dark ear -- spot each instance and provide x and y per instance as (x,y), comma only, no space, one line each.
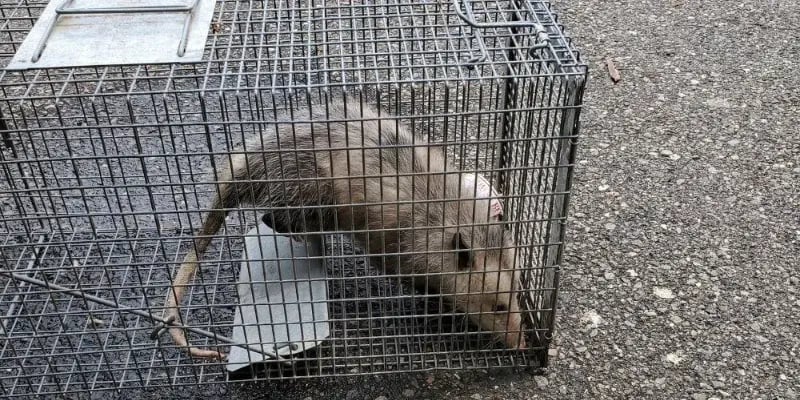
(464,252)
(269,220)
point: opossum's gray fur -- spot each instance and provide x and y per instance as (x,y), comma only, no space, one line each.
(351,171)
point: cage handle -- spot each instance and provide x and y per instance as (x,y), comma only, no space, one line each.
(542,38)
(65,9)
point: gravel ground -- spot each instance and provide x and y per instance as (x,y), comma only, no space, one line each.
(680,278)
(681,275)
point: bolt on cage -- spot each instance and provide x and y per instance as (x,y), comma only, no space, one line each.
(108,172)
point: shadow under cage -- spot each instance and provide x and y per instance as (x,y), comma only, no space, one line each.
(109,171)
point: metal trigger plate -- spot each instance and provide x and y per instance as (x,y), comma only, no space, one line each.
(282,297)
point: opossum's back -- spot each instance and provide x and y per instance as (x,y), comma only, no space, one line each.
(339,155)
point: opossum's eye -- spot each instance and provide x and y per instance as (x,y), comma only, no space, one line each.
(464,253)
(500,308)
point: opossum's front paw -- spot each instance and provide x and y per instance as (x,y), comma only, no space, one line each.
(211,355)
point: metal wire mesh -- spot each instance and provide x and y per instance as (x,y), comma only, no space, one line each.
(108,173)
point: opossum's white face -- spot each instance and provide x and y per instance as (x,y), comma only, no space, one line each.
(486,288)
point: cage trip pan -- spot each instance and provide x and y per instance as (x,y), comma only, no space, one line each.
(283,295)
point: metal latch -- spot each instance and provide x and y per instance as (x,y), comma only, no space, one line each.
(542,39)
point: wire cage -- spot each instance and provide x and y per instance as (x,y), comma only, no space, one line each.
(109,171)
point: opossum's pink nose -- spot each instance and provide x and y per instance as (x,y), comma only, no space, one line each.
(514,337)
(522,344)
(515,340)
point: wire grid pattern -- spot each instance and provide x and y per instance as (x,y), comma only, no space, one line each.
(107,173)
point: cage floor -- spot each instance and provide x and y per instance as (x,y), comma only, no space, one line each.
(55,342)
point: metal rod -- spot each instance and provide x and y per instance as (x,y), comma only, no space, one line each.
(15,301)
(509,103)
(62,9)
(43,41)
(6,136)
(187,23)
(570,126)
(140,313)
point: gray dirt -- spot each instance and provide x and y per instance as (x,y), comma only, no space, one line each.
(681,274)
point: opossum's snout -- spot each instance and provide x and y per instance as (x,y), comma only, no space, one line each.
(487,290)
(514,336)
(495,316)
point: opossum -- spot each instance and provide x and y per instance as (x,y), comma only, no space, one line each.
(349,169)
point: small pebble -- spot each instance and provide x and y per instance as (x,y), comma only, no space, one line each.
(476,396)
(541,381)
(608,275)
(699,396)
(663,293)
(674,358)
(381,398)
(610,227)
(718,384)
(603,188)
(408,393)
(97,322)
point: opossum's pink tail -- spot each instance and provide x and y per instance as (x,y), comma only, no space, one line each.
(188,269)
